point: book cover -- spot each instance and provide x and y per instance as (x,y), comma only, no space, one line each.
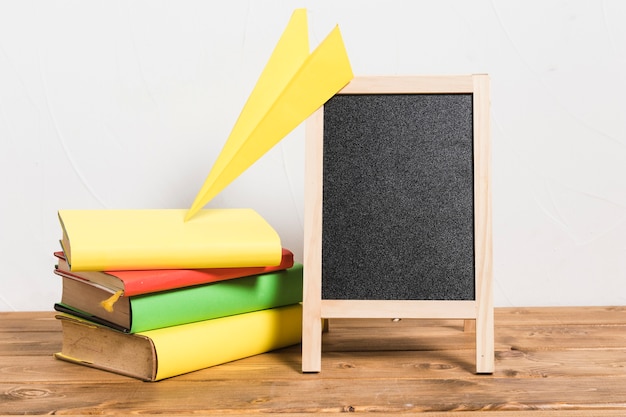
(183,305)
(172,351)
(148,281)
(110,240)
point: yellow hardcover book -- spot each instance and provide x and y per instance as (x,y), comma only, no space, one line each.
(171,351)
(110,240)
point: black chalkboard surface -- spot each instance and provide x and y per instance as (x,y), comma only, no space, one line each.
(398,197)
(398,207)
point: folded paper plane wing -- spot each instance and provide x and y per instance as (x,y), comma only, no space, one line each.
(292,86)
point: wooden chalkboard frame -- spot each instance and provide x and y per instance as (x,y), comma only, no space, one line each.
(477,313)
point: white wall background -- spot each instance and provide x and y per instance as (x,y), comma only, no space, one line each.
(126,104)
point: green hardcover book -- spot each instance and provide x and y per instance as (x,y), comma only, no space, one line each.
(180,306)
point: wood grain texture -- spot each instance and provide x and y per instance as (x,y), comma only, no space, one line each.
(551,362)
(407,84)
(483,235)
(312,283)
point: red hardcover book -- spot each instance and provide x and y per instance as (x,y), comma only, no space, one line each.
(148,281)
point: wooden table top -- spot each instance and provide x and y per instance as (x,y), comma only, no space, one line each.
(559,361)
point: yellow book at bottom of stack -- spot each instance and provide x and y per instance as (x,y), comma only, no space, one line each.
(163,353)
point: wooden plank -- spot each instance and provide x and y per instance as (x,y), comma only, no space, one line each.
(284,365)
(28,321)
(562,337)
(483,239)
(533,316)
(410,84)
(312,394)
(383,334)
(416,339)
(537,413)
(312,283)
(354,323)
(551,362)
(398,309)
(31,370)
(29,343)
(399,336)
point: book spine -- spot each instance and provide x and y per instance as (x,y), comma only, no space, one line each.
(190,347)
(220,299)
(149,281)
(155,280)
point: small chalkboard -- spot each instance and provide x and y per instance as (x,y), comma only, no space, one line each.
(397,210)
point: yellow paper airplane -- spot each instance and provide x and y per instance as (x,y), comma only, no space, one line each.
(292,86)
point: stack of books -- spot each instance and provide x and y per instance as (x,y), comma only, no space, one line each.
(151,296)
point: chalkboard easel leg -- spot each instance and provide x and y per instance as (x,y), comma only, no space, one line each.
(485,350)
(312,325)
(325,326)
(469,325)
